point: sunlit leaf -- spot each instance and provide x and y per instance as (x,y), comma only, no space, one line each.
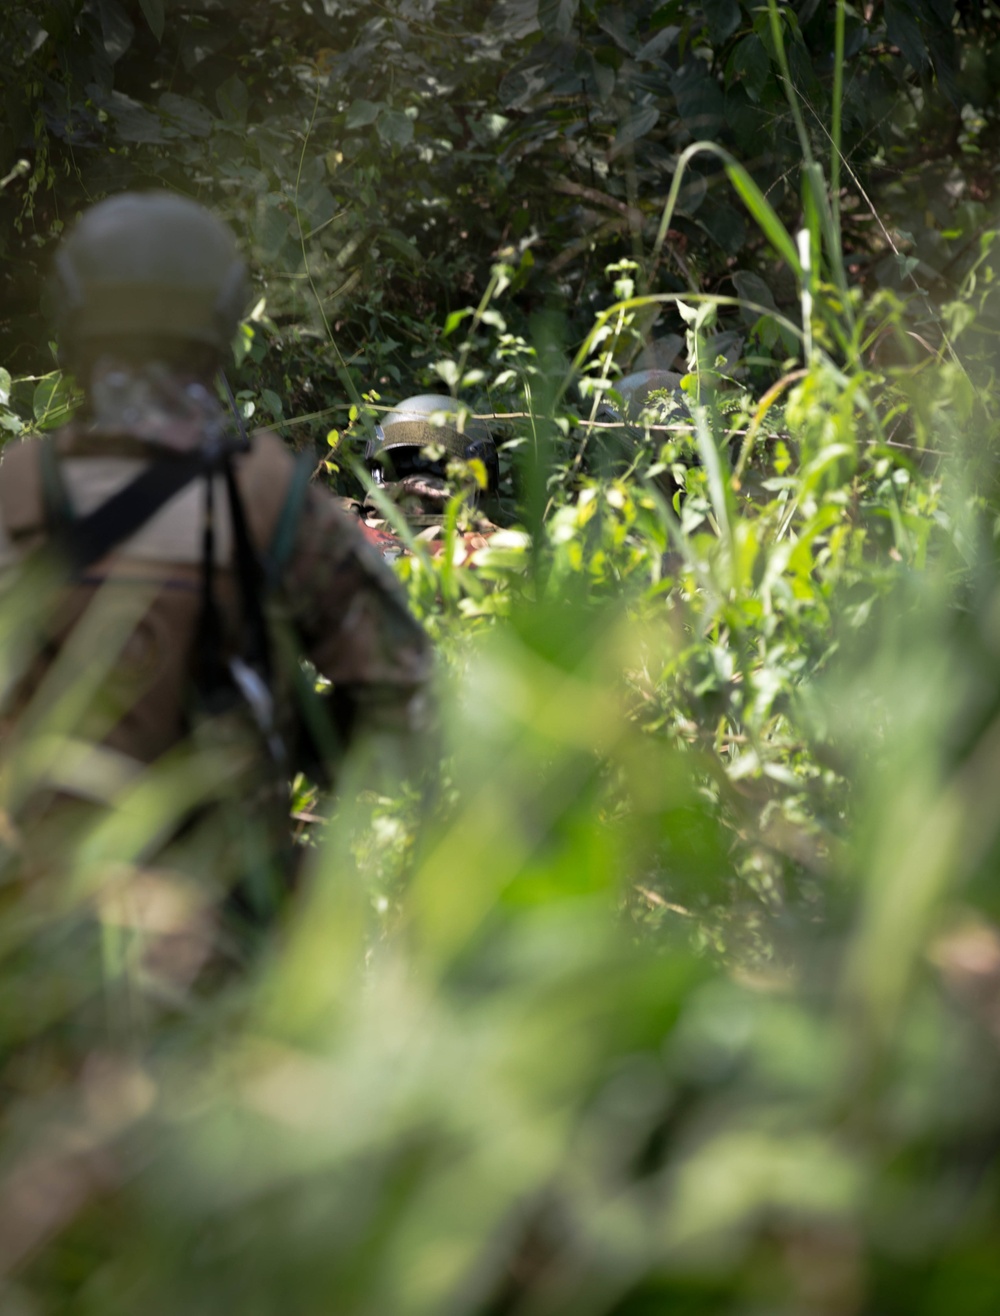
(763,214)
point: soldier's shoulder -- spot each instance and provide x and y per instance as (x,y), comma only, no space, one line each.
(20,473)
(266,472)
(267,451)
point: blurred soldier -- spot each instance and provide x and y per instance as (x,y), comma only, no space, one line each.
(655,394)
(234,562)
(424,452)
(647,397)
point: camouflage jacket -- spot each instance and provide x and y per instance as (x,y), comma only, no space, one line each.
(346,610)
(423,502)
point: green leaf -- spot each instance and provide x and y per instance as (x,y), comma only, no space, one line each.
(556,17)
(750,63)
(516,19)
(722,17)
(601,75)
(117,29)
(454,320)
(232,99)
(751,287)
(959,316)
(619,24)
(763,214)
(134,123)
(718,485)
(155,12)
(634,127)
(693,192)
(700,101)
(361,113)
(725,224)
(902,30)
(448,371)
(520,85)
(272,228)
(689,314)
(394,128)
(700,317)
(187,114)
(745,119)
(657,45)
(315,206)
(54,400)
(404,247)
(272,402)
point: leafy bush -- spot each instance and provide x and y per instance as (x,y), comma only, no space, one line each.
(680,990)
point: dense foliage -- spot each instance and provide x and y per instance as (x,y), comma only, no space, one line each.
(680,990)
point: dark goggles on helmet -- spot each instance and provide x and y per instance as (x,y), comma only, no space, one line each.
(390,465)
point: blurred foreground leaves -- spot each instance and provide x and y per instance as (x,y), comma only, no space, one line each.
(515,1099)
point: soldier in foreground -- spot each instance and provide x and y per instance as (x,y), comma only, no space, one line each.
(232,563)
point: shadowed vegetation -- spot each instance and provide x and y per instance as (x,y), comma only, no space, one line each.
(677,988)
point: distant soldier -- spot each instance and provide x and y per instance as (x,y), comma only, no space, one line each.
(425,452)
(654,394)
(647,398)
(234,564)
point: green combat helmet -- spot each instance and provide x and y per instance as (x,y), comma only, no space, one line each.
(402,458)
(148,266)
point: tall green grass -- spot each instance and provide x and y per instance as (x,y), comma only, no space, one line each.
(678,993)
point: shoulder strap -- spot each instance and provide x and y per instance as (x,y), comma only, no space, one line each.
(85,540)
(250,669)
(318,739)
(250,665)
(251,578)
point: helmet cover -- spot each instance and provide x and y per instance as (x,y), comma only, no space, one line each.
(411,424)
(635,390)
(149,264)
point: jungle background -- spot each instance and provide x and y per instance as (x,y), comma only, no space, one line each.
(681,991)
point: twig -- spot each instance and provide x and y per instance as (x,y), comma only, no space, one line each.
(654,898)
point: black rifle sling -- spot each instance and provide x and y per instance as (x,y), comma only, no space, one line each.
(211,678)
(249,570)
(250,576)
(85,540)
(81,541)
(246,673)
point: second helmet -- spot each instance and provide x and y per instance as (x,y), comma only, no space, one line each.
(398,447)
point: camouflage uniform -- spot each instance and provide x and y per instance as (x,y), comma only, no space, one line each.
(428,526)
(331,599)
(345,606)
(342,603)
(423,485)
